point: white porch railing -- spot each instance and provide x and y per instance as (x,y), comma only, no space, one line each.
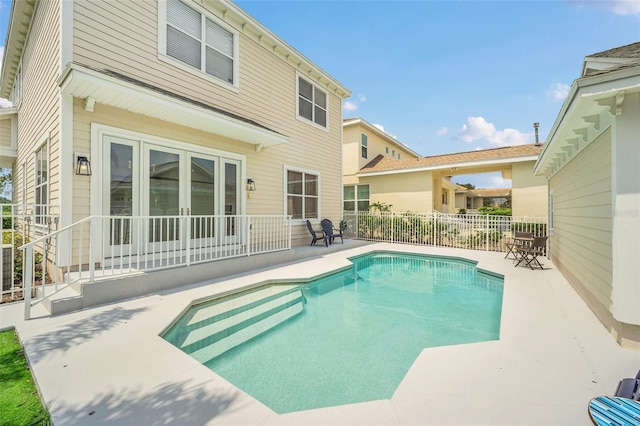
(106,246)
(475,232)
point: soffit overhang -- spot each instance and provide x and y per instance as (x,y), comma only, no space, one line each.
(458,168)
(589,109)
(98,86)
(241,20)
(17,32)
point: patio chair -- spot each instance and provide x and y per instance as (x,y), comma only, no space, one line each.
(529,253)
(317,235)
(518,240)
(629,388)
(331,232)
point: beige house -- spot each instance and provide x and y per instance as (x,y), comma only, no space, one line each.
(472,199)
(379,169)
(180,107)
(591,163)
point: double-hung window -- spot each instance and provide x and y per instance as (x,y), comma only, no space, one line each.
(363,145)
(312,102)
(42,184)
(195,40)
(356,198)
(302,194)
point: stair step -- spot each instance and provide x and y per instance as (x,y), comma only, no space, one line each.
(215,327)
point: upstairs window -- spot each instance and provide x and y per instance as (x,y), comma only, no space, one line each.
(363,145)
(16,91)
(312,102)
(195,40)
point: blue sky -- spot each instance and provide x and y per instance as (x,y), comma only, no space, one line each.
(449,76)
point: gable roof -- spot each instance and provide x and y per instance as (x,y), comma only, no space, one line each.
(592,104)
(510,154)
(386,136)
(611,60)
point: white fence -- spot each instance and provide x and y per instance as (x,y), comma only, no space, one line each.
(106,246)
(475,232)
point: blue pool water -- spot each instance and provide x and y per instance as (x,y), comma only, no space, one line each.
(351,336)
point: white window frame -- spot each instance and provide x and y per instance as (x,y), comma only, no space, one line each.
(304,172)
(551,210)
(38,186)
(16,91)
(355,197)
(364,141)
(204,14)
(313,104)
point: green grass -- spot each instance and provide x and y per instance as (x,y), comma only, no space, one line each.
(20,403)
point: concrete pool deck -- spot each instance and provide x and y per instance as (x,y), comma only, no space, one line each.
(108,365)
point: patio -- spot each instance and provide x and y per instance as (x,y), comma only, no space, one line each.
(107,365)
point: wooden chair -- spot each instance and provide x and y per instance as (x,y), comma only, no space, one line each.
(317,235)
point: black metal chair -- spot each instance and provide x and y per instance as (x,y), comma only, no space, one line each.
(529,254)
(331,232)
(317,235)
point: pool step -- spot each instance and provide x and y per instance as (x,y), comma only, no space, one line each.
(218,326)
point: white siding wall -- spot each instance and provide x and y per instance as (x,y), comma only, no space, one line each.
(581,241)
(122,36)
(38,114)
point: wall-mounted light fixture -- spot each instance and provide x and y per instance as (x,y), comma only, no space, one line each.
(83,165)
(251,185)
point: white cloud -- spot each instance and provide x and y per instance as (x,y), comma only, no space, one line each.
(350,106)
(619,7)
(477,128)
(558,91)
(442,131)
(353,105)
(499,182)
(378,126)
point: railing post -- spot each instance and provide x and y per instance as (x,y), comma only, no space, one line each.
(487,235)
(27,278)
(92,247)
(248,231)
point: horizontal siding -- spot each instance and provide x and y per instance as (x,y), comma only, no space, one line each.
(582,237)
(38,114)
(265,167)
(5,132)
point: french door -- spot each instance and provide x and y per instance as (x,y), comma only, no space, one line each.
(179,194)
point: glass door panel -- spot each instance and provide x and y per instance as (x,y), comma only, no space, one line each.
(202,197)
(120,192)
(231,194)
(163,195)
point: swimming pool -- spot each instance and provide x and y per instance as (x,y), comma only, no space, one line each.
(347,337)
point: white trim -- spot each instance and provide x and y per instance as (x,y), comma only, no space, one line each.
(162,46)
(286,168)
(66,34)
(390,139)
(82,83)
(67,172)
(450,165)
(305,119)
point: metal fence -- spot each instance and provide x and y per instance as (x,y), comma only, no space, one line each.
(474,232)
(20,224)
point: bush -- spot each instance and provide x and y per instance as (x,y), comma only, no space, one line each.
(495,211)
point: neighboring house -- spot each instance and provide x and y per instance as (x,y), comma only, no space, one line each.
(362,142)
(472,199)
(422,184)
(177,105)
(591,163)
